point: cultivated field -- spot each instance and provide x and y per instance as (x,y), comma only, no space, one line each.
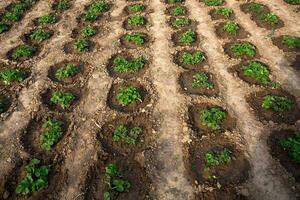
(150,99)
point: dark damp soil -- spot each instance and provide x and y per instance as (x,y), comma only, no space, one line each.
(244,8)
(125,75)
(228,123)
(229,52)
(131,171)
(296,63)
(127,26)
(176,38)
(128,12)
(277,41)
(193,24)
(10,52)
(131,45)
(215,16)
(170,9)
(240,34)
(10,101)
(255,101)
(186,83)
(69,48)
(282,155)
(263,24)
(177,60)
(26,38)
(135,106)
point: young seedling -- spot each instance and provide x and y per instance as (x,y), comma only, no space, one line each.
(179,11)
(136,38)
(67,71)
(52,132)
(181,22)
(126,134)
(63,99)
(35,179)
(277,103)
(40,34)
(240,49)
(258,71)
(47,19)
(292,146)
(88,31)
(213,2)
(114,182)
(194,58)
(291,41)
(63,5)
(123,65)
(226,12)
(270,18)
(231,27)
(214,159)
(23,52)
(3,27)
(136,8)
(81,45)
(212,117)
(95,10)
(255,7)
(188,37)
(128,95)
(201,80)
(11,75)
(136,20)
(293,2)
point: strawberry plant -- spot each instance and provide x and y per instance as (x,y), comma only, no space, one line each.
(255,7)
(88,31)
(52,132)
(212,117)
(277,103)
(226,12)
(231,27)
(257,70)
(179,11)
(128,95)
(136,8)
(136,38)
(175,1)
(121,64)
(213,159)
(63,5)
(10,75)
(23,52)
(193,58)
(40,34)
(291,41)
(188,37)
(270,18)
(292,146)
(181,22)
(136,20)
(240,49)
(213,2)
(35,179)
(14,13)
(81,45)
(201,80)
(3,27)
(126,134)
(63,99)
(293,2)
(95,10)
(115,183)
(67,71)
(47,19)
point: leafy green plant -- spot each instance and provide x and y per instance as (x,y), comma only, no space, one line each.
(255,7)
(128,95)
(35,179)
(3,104)
(81,45)
(258,71)
(52,132)
(10,75)
(123,65)
(292,146)
(243,49)
(114,182)
(3,27)
(95,10)
(179,10)
(14,13)
(214,2)
(181,22)
(192,58)
(212,117)
(201,80)
(270,18)
(63,99)
(213,159)
(136,38)
(136,20)
(226,12)
(40,34)
(291,41)
(23,51)
(29,3)
(126,134)
(136,8)
(175,1)
(188,37)
(47,19)
(67,71)
(277,103)
(63,5)
(293,2)
(231,27)
(88,31)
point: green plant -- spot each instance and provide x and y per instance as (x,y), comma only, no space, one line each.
(63,5)
(96,9)
(88,31)
(255,7)
(201,80)
(3,27)
(35,179)
(291,41)
(47,19)
(192,58)
(243,49)
(179,10)
(136,38)
(23,51)
(270,18)
(214,2)
(181,22)
(292,146)
(257,70)
(14,13)
(3,104)
(212,117)
(175,1)
(226,12)
(136,8)
(277,103)
(81,45)
(231,27)
(67,71)
(10,75)
(128,95)
(188,37)
(52,132)
(63,99)
(114,182)
(213,159)
(29,3)
(126,134)
(40,34)
(121,64)
(293,2)
(136,20)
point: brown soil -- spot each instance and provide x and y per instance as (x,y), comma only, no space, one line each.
(244,57)
(295,63)
(198,66)
(215,16)
(176,38)
(240,34)
(10,101)
(227,193)
(277,41)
